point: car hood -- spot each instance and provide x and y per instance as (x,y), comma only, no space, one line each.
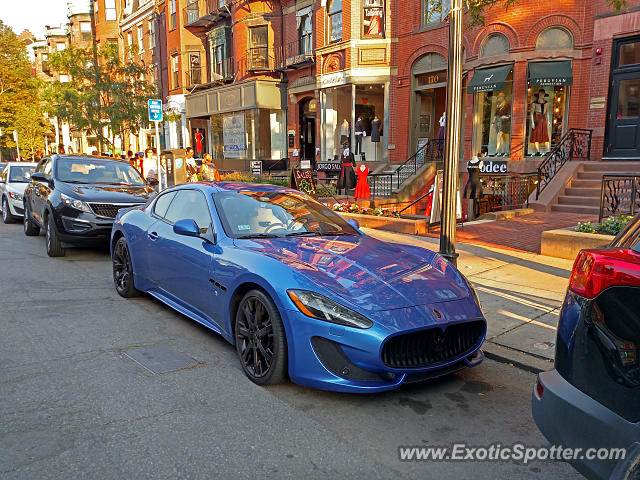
(107,193)
(366,272)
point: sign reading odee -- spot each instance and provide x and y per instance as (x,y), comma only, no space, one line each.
(494,166)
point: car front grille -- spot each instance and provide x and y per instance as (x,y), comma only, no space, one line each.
(430,347)
(110,210)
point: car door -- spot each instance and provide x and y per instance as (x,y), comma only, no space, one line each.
(38,190)
(182,265)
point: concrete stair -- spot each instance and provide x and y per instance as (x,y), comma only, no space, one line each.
(582,194)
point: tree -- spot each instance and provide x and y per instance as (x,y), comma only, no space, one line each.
(106,99)
(29,122)
(18,93)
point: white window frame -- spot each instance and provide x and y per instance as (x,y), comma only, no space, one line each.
(140,33)
(152,34)
(110,13)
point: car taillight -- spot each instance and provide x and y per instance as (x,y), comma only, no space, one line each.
(595,271)
(539,389)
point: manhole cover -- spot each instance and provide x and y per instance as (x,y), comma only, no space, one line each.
(160,359)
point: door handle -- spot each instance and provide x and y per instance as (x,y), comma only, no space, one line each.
(153,236)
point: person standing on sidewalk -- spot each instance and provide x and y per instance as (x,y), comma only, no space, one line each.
(192,166)
(209,170)
(150,165)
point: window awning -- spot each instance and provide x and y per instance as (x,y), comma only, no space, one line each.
(550,74)
(489,79)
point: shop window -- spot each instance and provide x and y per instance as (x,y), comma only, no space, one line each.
(496,44)
(305,35)
(431,12)
(85,31)
(629,54)
(554,38)
(110,10)
(175,71)
(492,120)
(546,113)
(372,19)
(173,21)
(335,21)
(250,134)
(259,47)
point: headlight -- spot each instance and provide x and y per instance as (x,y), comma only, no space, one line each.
(75,203)
(318,306)
(15,196)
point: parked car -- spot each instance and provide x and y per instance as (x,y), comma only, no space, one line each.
(297,289)
(13,180)
(592,396)
(75,199)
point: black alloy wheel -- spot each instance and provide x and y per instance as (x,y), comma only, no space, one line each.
(123,270)
(54,245)
(31,229)
(6,213)
(260,339)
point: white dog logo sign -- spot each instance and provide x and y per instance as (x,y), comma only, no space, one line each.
(488,79)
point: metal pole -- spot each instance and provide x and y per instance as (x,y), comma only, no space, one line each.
(453,127)
(160,182)
(17,145)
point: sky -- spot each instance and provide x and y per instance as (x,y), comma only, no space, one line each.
(33,14)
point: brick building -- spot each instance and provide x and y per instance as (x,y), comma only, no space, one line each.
(107,15)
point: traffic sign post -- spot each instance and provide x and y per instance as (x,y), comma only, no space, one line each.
(155,116)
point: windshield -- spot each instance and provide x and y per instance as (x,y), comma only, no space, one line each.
(110,172)
(21,173)
(251,214)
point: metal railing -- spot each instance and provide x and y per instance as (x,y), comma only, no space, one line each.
(223,70)
(380,184)
(300,51)
(575,145)
(508,191)
(428,153)
(619,195)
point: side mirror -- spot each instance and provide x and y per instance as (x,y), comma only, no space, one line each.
(39,177)
(354,223)
(186,227)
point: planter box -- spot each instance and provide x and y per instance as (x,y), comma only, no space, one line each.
(398,225)
(567,243)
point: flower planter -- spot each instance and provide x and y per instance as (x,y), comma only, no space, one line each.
(391,224)
(565,243)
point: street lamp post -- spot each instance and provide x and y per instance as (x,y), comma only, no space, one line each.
(453,134)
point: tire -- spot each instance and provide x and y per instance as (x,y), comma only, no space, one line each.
(253,347)
(31,229)
(54,245)
(6,213)
(123,270)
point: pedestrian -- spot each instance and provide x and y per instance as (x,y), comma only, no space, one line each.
(209,170)
(192,166)
(150,165)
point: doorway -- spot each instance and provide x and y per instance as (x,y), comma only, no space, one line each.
(307,128)
(623,120)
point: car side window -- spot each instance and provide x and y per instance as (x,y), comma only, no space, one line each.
(190,204)
(47,169)
(162,204)
(40,167)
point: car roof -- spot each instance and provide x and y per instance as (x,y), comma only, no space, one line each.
(88,157)
(243,186)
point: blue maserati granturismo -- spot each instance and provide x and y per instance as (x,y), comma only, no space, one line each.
(301,292)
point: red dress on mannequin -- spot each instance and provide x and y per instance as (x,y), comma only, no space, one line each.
(362,188)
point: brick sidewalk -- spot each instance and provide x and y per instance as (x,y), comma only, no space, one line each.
(520,233)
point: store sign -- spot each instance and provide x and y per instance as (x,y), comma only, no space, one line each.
(373,18)
(256,168)
(233,135)
(328,166)
(333,79)
(494,166)
(303,180)
(551,81)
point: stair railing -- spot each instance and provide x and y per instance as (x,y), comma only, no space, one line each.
(619,194)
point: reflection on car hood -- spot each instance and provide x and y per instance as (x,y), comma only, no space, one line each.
(366,272)
(18,188)
(107,193)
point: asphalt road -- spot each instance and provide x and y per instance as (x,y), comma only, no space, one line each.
(74,405)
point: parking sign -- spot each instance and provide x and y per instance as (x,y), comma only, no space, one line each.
(155,110)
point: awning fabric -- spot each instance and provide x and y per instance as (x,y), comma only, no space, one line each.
(489,79)
(550,74)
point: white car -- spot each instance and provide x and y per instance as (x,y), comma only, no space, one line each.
(14,178)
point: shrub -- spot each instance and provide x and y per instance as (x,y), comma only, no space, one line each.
(245,177)
(585,227)
(355,208)
(611,226)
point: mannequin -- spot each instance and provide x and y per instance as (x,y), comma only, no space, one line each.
(441,133)
(539,128)
(347,179)
(199,137)
(362,188)
(376,129)
(473,188)
(502,125)
(344,132)
(360,133)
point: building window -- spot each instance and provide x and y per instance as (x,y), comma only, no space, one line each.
(85,31)
(305,35)
(335,21)
(140,39)
(110,10)
(173,22)
(259,47)
(554,38)
(629,54)
(152,34)
(496,44)
(195,70)
(431,12)
(372,19)
(546,108)
(64,78)
(219,41)
(192,11)
(129,43)
(60,47)
(175,71)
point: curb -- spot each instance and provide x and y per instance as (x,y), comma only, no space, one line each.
(518,359)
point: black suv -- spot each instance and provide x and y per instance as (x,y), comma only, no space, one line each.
(75,199)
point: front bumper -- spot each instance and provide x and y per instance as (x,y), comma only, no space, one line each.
(332,357)
(82,227)
(16,207)
(568,417)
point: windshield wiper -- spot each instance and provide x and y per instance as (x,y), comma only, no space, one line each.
(337,232)
(302,234)
(259,235)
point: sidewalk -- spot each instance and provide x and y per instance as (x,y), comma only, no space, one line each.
(521,295)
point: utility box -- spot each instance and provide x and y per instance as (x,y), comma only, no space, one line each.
(176,166)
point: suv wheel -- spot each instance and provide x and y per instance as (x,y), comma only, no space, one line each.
(31,229)
(54,245)
(6,213)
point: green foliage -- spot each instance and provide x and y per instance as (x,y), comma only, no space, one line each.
(245,177)
(611,226)
(585,227)
(103,91)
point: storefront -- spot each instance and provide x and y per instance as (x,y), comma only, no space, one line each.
(245,122)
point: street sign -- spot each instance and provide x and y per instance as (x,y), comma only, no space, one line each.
(155,110)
